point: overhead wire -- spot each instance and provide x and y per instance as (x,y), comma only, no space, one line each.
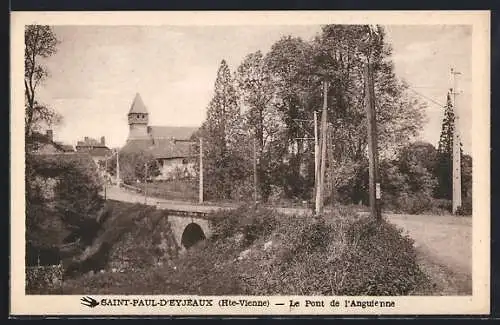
(441,105)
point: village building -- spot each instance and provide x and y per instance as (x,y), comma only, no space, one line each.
(39,143)
(171,146)
(97,149)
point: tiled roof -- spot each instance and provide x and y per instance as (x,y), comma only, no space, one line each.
(171,132)
(39,138)
(97,151)
(65,147)
(137,145)
(160,148)
(172,149)
(138,106)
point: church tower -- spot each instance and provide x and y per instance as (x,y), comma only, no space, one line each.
(138,119)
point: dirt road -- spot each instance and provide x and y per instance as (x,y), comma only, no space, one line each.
(446,238)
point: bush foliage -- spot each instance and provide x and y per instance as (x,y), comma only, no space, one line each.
(132,166)
(261,252)
(43,279)
(62,199)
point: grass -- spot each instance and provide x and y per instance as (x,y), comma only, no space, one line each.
(125,218)
(185,190)
(261,252)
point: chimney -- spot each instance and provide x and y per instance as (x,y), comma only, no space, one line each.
(50,135)
(103,141)
(86,140)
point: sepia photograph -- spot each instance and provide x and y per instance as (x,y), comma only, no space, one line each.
(318,159)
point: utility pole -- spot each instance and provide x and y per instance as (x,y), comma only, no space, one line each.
(200,198)
(316,162)
(255,170)
(117,168)
(319,195)
(106,176)
(457,177)
(316,152)
(375,192)
(145,183)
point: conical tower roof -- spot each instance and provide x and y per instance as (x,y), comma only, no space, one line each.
(138,106)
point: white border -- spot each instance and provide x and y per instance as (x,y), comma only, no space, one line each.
(478,303)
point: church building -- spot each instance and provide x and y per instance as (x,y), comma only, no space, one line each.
(170,145)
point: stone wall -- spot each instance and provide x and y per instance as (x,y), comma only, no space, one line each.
(44,279)
(150,243)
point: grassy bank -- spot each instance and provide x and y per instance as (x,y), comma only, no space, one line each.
(261,252)
(184,190)
(132,237)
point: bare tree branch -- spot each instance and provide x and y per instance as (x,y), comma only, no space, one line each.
(40,41)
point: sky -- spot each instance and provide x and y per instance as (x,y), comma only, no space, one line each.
(97,71)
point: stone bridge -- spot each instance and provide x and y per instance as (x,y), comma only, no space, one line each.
(188,227)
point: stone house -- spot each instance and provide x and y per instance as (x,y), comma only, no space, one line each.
(170,145)
(39,143)
(96,149)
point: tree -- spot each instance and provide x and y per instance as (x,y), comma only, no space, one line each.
(279,93)
(62,199)
(262,120)
(40,43)
(466,165)
(408,181)
(296,87)
(132,166)
(417,161)
(340,56)
(223,138)
(444,164)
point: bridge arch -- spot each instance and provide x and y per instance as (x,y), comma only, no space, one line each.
(188,229)
(192,234)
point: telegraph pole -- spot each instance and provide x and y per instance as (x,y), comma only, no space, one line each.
(255,170)
(374,183)
(319,195)
(316,162)
(200,198)
(106,176)
(145,183)
(117,168)
(316,153)
(457,186)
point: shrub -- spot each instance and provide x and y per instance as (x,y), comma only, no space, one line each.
(442,204)
(132,166)
(415,203)
(379,260)
(41,279)
(250,221)
(334,254)
(466,208)
(144,242)
(133,237)
(339,253)
(171,189)
(62,199)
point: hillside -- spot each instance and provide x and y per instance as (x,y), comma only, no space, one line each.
(255,253)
